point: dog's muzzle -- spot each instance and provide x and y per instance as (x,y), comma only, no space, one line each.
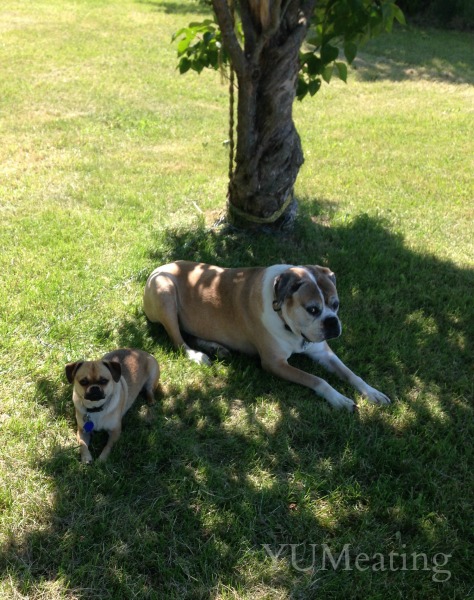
(331,328)
(93,393)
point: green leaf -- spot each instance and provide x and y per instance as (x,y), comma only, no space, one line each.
(350,51)
(301,88)
(342,71)
(313,86)
(399,16)
(183,45)
(213,58)
(315,36)
(176,34)
(327,73)
(388,11)
(184,65)
(387,16)
(197,66)
(329,53)
(314,64)
(208,36)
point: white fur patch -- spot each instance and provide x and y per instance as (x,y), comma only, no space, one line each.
(105,419)
(198,357)
(287,341)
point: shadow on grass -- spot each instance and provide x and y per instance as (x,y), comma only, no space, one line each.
(235,459)
(413,312)
(176,8)
(418,54)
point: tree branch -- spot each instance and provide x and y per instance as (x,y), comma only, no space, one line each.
(297,36)
(308,8)
(275,16)
(248,25)
(231,43)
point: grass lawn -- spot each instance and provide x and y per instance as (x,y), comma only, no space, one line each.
(240,485)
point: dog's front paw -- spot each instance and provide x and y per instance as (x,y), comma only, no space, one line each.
(198,357)
(375,396)
(338,401)
(86,458)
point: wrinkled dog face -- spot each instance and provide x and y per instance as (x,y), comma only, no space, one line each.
(308,301)
(94,381)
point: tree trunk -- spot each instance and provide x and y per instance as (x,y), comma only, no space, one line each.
(268,149)
(268,154)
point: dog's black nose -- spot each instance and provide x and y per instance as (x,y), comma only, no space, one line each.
(94,392)
(332,328)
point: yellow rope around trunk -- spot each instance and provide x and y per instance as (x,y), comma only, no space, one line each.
(254,219)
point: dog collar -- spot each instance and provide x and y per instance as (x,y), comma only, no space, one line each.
(88,426)
(96,409)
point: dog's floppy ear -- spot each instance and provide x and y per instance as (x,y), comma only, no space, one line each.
(284,286)
(115,369)
(318,271)
(71,370)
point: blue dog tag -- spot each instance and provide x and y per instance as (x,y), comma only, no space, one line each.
(88,425)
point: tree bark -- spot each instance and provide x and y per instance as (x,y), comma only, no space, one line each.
(268,148)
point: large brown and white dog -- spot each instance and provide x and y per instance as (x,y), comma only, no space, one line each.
(273,312)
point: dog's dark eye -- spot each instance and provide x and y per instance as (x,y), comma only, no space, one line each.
(84,382)
(314,311)
(335,305)
(103,381)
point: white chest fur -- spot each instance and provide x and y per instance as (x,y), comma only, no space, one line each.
(107,419)
(288,342)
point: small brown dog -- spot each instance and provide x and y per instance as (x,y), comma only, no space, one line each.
(105,389)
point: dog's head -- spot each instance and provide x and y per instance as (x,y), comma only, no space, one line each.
(94,381)
(308,301)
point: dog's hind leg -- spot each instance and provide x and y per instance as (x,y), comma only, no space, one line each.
(212,348)
(171,326)
(164,310)
(152,384)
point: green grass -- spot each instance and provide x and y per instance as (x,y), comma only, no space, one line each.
(110,164)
